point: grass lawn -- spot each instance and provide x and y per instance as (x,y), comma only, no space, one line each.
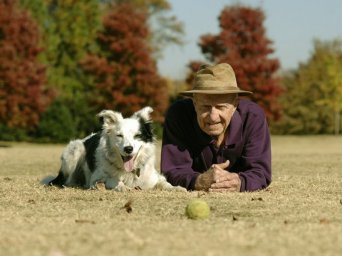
(299,214)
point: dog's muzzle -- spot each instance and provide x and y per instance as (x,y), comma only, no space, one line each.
(129,160)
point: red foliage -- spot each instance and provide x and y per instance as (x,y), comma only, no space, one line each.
(243,44)
(126,76)
(22,78)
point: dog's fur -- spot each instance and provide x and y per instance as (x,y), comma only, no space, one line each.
(122,156)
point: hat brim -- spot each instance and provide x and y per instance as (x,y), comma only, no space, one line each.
(192,92)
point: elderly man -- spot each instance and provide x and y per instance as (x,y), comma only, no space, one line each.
(215,141)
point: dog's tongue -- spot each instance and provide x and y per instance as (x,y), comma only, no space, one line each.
(129,164)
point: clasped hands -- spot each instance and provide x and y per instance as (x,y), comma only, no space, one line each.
(217,179)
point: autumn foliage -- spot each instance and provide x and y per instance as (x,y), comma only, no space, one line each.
(242,42)
(23,95)
(125,74)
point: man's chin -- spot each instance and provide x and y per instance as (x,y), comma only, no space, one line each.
(214,133)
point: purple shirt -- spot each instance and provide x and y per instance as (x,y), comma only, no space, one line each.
(187,151)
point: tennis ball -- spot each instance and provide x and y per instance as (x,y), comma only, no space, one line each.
(197,209)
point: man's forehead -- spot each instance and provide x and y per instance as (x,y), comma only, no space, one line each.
(214,98)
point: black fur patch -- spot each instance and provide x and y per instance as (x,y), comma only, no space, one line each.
(91,145)
(59,181)
(146,131)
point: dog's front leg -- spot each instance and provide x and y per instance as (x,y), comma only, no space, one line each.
(111,183)
(162,184)
(96,177)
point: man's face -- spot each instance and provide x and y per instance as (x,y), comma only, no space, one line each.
(214,112)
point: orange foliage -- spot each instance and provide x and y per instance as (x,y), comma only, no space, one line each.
(23,95)
(126,76)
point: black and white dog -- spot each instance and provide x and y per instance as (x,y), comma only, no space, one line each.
(122,156)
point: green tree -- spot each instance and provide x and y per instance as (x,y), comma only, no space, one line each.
(332,87)
(69,32)
(312,100)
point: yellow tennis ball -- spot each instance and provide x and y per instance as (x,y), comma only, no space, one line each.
(197,209)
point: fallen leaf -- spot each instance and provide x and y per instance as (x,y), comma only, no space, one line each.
(128,206)
(324,221)
(257,199)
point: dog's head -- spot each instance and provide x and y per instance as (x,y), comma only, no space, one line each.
(128,134)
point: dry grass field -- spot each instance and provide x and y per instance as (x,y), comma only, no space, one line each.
(299,214)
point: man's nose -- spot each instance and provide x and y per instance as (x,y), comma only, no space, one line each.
(213,113)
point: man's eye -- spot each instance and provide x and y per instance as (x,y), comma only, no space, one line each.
(119,135)
(204,108)
(222,107)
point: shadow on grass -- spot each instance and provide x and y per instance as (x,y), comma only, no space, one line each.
(4,145)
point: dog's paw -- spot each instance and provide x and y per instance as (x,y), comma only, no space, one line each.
(179,188)
(93,187)
(121,187)
(164,185)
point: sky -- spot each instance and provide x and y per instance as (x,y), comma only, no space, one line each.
(292,25)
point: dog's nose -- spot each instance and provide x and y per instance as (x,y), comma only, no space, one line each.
(128,149)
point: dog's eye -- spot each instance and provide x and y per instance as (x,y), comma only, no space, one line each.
(137,136)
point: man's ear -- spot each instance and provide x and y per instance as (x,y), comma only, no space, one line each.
(194,99)
(144,114)
(110,117)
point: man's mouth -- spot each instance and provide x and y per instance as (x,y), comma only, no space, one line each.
(213,124)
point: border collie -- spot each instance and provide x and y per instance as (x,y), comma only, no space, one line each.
(121,155)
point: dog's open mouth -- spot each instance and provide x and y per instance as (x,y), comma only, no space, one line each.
(128,163)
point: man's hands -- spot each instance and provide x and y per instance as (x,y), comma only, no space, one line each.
(217,179)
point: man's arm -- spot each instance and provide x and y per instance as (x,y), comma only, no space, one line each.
(176,160)
(256,155)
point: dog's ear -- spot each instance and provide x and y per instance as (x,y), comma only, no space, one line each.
(110,117)
(144,114)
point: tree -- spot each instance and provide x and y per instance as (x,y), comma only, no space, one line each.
(313,93)
(23,95)
(243,44)
(165,28)
(332,86)
(125,73)
(69,30)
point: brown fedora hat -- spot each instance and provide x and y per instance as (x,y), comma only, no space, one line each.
(216,79)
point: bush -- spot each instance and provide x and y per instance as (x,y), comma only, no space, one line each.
(57,124)
(12,134)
